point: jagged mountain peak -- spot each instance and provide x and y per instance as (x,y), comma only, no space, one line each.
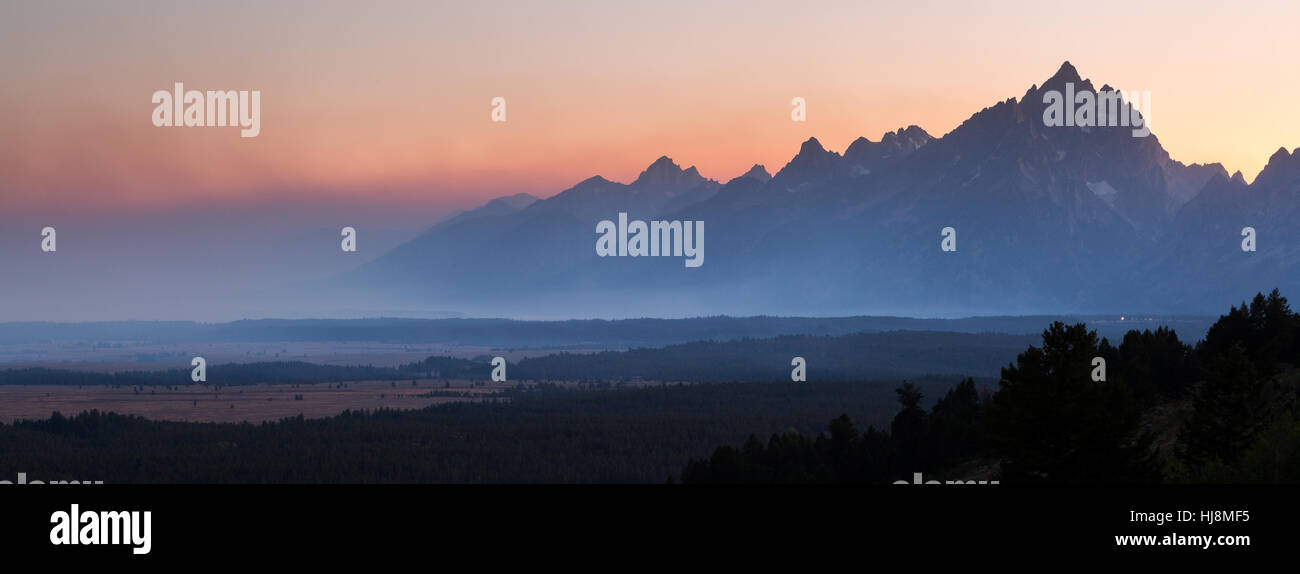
(912,137)
(1219,189)
(811,145)
(664,166)
(865,156)
(664,173)
(758,172)
(1282,168)
(756,177)
(1066,73)
(812,162)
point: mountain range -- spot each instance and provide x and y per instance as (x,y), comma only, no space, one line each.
(1047,219)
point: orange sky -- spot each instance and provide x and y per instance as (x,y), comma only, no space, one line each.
(390,101)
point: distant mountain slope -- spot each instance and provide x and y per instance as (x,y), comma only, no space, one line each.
(1201,260)
(499,206)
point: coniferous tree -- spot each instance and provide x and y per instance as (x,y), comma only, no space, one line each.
(956,426)
(1153,364)
(1050,422)
(908,429)
(1228,410)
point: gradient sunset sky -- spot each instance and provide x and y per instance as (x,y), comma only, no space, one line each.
(388,103)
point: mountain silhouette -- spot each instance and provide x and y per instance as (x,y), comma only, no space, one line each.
(1048,219)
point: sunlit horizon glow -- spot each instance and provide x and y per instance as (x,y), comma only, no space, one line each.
(389,102)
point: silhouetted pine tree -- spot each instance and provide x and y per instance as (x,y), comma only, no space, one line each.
(956,429)
(1154,364)
(908,430)
(1228,410)
(1050,422)
(1266,329)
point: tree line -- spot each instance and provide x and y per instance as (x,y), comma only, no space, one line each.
(860,356)
(1224,410)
